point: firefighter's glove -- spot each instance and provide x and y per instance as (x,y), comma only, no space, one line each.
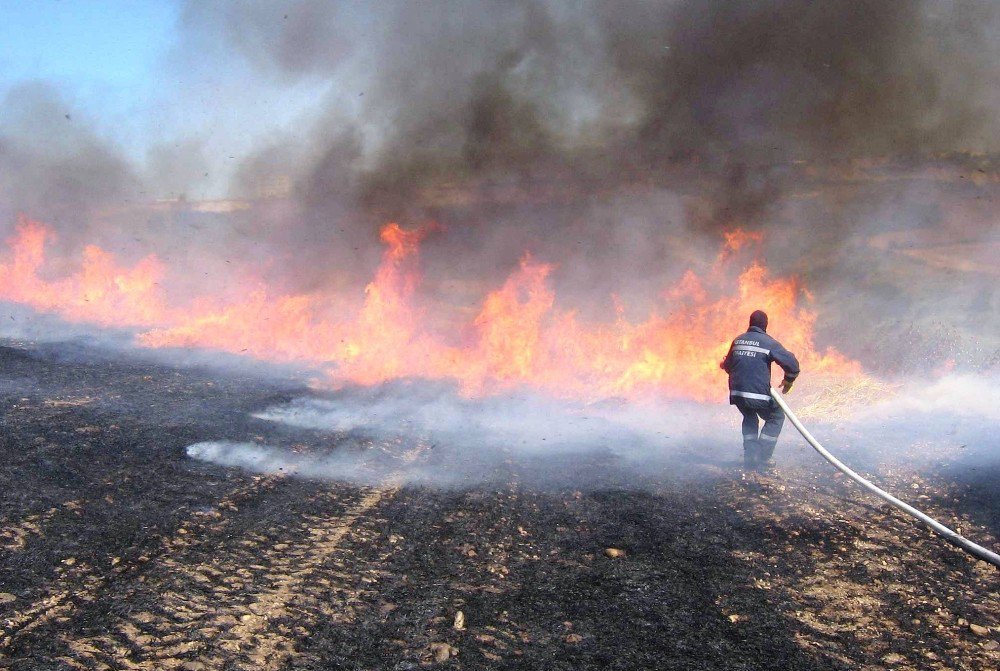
(786,385)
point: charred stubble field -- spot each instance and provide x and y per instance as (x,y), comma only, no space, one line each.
(118,551)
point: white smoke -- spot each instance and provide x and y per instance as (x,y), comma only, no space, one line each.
(428,435)
(959,396)
(265,459)
(524,424)
(931,422)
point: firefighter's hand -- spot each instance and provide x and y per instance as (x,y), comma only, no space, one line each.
(786,386)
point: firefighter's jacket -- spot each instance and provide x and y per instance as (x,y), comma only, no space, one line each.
(749,366)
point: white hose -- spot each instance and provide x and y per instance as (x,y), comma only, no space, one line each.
(949,535)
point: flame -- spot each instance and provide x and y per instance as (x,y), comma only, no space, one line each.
(738,239)
(273,328)
(377,344)
(101,292)
(510,344)
(519,337)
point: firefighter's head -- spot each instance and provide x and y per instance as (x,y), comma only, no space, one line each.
(759,319)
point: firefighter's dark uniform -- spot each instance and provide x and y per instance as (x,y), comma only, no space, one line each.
(749,366)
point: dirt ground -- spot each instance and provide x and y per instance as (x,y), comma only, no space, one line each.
(117,551)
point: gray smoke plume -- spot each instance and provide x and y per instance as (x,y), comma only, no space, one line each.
(54,166)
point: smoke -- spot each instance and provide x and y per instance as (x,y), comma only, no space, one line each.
(53,164)
(749,114)
(943,425)
(782,80)
(424,434)
(487,83)
(479,87)
(960,396)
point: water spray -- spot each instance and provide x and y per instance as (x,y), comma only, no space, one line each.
(950,535)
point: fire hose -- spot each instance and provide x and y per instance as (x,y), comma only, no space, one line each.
(951,536)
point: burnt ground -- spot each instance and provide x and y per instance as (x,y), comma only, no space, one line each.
(119,551)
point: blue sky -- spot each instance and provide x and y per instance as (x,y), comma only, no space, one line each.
(116,43)
(125,70)
(103,56)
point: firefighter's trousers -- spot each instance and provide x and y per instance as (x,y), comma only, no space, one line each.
(758,443)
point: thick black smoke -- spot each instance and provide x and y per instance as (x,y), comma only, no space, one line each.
(468,87)
(769,82)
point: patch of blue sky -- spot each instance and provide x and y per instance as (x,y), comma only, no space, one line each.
(104,56)
(130,71)
(113,42)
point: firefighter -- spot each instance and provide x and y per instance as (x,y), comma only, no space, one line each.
(749,366)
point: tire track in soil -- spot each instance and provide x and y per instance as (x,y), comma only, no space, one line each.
(516,560)
(249,610)
(409,620)
(78,584)
(490,550)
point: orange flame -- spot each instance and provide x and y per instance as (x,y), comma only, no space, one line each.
(101,292)
(378,343)
(519,337)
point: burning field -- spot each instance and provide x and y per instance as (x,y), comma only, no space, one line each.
(516,338)
(420,365)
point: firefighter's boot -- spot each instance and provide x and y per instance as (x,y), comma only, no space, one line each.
(751,454)
(766,451)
